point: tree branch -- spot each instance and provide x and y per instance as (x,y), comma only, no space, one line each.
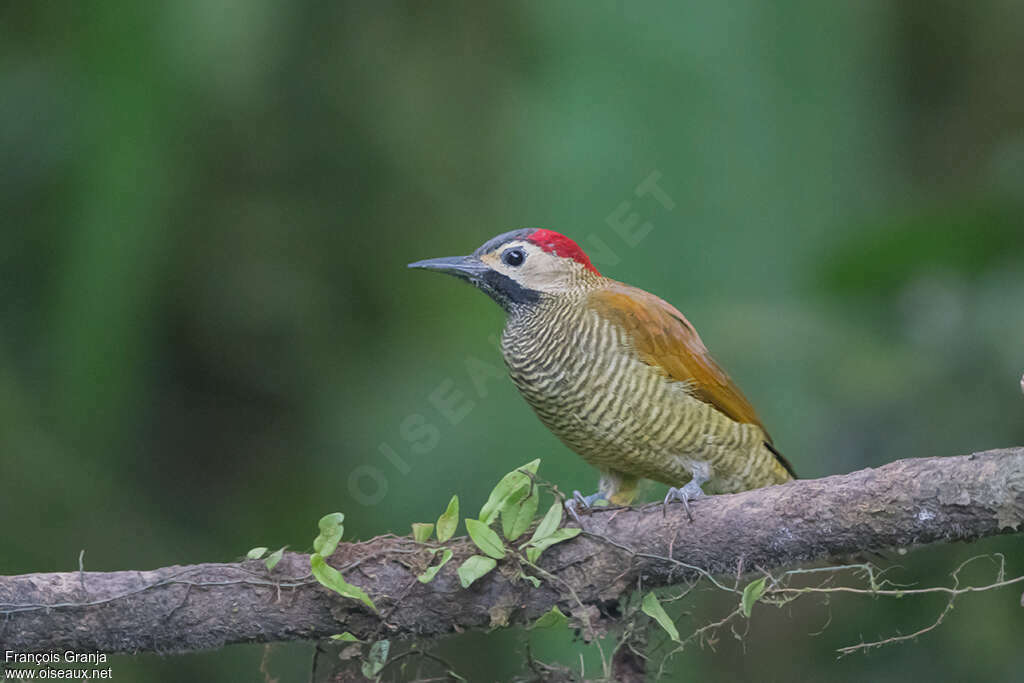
(177,609)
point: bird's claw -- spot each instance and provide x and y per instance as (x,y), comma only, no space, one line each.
(570,507)
(692,491)
(580,502)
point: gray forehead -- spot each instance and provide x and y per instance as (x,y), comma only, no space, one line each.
(495,242)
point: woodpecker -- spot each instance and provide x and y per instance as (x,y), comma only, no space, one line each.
(618,374)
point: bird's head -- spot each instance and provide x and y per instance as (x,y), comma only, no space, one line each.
(517,269)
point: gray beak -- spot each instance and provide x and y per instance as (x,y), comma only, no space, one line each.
(465,267)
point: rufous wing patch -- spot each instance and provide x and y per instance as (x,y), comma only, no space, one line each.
(665,339)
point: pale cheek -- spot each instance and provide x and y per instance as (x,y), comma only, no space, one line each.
(547,280)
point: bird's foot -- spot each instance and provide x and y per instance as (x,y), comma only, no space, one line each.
(580,502)
(692,491)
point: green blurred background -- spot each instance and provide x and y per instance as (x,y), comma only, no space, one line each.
(207,331)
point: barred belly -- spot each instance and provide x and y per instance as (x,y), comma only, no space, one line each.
(578,372)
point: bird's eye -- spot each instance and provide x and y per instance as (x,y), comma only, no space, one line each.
(513,257)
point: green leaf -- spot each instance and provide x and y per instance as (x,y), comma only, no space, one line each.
(550,619)
(449,521)
(346,637)
(517,515)
(274,558)
(557,536)
(377,658)
(532,554)
(552,518)
(332,578)
(431,572)
(475,567)
(751,594)
(485,538)
(510,484)
(256,553)
(652,608)
(331,531)
(421,531)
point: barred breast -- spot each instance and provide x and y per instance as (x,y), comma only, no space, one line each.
(584,380)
